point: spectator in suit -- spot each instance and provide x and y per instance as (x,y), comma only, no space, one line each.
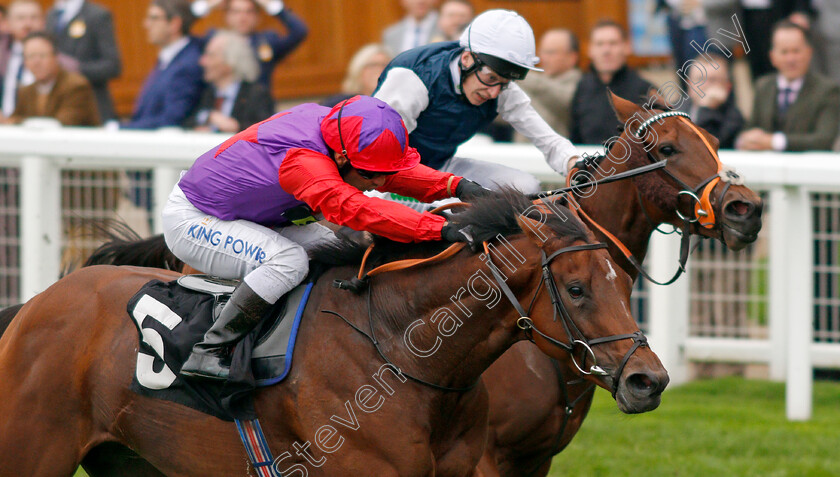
(232,100)
(454,17)
(24,17)
(362,73)
(712,104)
(56,93)
(172,89)
(759,16)
(85,31)
(243,17)
(417,28)
(794,109)
(593,119)
(551,92)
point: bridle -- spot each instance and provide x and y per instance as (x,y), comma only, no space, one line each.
(703,210)
(574,335)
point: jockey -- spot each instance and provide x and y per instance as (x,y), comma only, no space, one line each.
(446,92)
(245,208)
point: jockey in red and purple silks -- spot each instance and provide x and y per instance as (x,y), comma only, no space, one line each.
(244,209)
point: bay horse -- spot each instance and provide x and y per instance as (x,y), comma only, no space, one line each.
(535,415)
(67,358)
(535,411)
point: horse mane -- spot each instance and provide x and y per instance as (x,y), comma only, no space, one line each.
(126,247)
(490,216)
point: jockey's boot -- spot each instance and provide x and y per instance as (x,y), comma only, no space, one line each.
(210,358)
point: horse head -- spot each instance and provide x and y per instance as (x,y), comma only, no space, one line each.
(698,188)
(573,302)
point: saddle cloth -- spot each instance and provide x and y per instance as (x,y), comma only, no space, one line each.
(172,317)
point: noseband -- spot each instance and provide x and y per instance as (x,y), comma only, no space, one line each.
(527,324)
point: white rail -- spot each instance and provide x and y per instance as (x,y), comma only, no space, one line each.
(790,178)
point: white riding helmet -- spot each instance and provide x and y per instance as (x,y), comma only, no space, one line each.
(504,41)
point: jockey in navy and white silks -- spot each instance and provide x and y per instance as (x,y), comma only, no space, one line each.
(446,92)
(232,213)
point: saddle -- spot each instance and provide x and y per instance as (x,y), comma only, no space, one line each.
(272,353)
(176,314)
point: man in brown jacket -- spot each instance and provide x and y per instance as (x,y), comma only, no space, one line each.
(56,93)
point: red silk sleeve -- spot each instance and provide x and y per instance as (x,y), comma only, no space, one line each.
(423,183)
(313,178)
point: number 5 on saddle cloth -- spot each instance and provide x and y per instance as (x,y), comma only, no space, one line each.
(171,317)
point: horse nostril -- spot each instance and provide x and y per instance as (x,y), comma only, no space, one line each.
(739,209)
(642,384)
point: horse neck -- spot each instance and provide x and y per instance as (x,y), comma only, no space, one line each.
(447,323)
(616,207)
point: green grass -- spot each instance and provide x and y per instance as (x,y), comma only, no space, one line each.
(723,427)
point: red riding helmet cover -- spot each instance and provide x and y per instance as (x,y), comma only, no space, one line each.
(371,135)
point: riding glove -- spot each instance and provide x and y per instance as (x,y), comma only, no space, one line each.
(468,189)
(458,233)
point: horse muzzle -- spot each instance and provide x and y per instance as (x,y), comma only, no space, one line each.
(641,391)
(741,222)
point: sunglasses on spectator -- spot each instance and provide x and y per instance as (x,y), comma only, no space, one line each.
(370,175)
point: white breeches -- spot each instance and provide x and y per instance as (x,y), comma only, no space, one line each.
(272,262)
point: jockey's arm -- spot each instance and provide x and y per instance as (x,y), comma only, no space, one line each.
(423,183)
(313,178)
(404,91)
(515,108)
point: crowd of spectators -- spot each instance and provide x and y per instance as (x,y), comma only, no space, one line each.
(203,83)
(56,63)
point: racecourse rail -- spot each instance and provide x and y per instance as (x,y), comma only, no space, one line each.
(789,180)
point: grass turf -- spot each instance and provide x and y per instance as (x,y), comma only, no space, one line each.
(723,427)
(726,427)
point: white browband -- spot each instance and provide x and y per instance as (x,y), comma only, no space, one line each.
(657,117)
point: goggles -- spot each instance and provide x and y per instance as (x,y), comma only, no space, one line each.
(490,78)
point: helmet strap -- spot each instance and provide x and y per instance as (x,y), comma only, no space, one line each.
(465,72)
(340,138)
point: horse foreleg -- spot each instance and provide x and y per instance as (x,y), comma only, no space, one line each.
(40,436)
(110,459)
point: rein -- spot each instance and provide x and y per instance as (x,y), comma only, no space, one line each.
(357,284)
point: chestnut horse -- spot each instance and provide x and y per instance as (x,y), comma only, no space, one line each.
(420,339)
(535,414)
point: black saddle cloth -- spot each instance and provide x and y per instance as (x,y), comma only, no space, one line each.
(172,319)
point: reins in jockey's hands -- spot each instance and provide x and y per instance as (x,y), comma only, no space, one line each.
(452,232)
(468,190)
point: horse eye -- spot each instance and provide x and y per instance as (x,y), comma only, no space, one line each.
(667,150)
(575,291)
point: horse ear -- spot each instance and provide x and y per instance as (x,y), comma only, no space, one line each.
(536,231)
(624,109)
